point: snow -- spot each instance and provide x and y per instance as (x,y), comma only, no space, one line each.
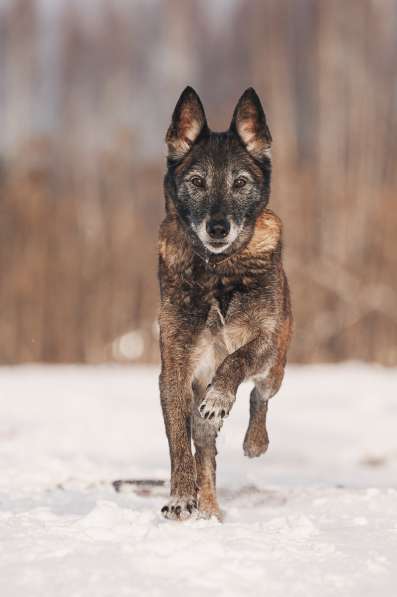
(315,516)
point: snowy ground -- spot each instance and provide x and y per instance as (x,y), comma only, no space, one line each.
(316,516)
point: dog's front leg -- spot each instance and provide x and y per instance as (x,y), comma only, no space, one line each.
(177,403)
(245,362)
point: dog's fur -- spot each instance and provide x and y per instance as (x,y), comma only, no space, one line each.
(225,312)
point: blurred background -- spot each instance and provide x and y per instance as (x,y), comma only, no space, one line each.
(86,94)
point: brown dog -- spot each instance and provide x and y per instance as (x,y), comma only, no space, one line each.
(225,310)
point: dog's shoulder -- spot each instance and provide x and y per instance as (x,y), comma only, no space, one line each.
(267,234)
(174,250)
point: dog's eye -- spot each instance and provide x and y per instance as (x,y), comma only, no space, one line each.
(198,182)
(239,183)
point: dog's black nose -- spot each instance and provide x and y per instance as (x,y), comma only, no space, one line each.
(218,228)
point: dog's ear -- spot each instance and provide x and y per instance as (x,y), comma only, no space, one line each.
(188,123)
(249,123)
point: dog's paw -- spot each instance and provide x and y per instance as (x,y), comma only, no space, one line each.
(208,508)
(255,444)
(180,508)
(215,407)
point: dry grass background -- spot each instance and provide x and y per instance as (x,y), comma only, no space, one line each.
(86,91)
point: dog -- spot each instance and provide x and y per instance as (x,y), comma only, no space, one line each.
(225,314)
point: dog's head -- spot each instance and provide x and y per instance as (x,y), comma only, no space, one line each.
(219,182)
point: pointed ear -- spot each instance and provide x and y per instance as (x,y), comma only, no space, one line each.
(188,122)
(249,123)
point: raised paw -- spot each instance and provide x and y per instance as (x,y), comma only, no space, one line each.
(256,442)
(215,407)
(180,508)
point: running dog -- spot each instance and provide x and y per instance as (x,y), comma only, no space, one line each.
(225,314)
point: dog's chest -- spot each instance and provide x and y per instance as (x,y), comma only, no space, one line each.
(219,293)
(223,297)
(221,335)
(224,331)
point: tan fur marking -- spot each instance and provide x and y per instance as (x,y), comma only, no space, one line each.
(237,334)
(267,233)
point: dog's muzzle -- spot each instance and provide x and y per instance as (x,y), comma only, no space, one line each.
(217,233)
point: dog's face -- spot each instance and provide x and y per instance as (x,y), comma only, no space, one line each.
(218,182)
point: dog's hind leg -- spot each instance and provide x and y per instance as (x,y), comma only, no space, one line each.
(204,438)
(256,439)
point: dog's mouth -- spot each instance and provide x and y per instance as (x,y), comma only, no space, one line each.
(217,246)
